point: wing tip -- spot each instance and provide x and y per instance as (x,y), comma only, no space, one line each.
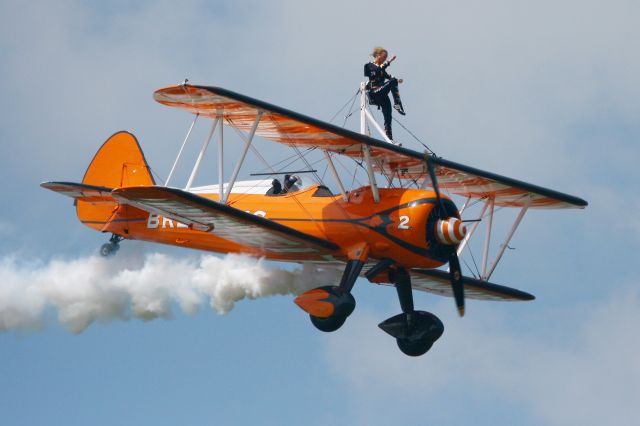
(512,294)
(527,296)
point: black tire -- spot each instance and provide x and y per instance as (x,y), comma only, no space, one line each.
(414,347)
(107,250)
(327,324)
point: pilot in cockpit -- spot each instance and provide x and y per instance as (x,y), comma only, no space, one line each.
(276,188)
(291,184)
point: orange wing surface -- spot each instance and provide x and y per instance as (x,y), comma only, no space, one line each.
(223,221)
(294,129)
(438,282)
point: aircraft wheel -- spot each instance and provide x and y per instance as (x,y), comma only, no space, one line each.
(414,347)
(329,324)
(108,249)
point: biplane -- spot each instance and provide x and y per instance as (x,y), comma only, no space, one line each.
(402,233)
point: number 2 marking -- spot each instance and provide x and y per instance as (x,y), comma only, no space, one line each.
(404,222)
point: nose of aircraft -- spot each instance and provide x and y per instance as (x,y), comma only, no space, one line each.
(450,231)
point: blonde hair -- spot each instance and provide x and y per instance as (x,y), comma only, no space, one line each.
(378,50)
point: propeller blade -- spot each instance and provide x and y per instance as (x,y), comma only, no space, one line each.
(432,175)
(455,276)
(436,188)
(455,272)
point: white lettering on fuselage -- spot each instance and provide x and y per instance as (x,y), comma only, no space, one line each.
(154,221)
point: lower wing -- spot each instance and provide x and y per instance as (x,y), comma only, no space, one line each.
(437,282)
(224,221)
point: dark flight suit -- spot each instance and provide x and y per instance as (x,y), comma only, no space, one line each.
(379,86)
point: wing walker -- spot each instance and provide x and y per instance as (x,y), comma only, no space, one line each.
(403,233)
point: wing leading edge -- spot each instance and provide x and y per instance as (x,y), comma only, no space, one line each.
(437,282)
(291,128)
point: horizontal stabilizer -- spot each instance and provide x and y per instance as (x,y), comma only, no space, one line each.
(89,193)
(438,282)
(223,221)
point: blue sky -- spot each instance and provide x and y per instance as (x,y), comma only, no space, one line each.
(546,92)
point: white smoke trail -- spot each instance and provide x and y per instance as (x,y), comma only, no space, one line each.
(143,286)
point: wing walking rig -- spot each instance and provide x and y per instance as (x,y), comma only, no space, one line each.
(397,235)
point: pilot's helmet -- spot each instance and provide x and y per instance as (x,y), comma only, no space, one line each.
(295,180)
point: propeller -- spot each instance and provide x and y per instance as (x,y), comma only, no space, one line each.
(455,272)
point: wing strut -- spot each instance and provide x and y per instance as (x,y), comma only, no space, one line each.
(487,238)
(372,178)
(488,271)
(186,138)
(221,160)
(247,144)
(504,245)
(464,242)
(203,150)
(334,172)
(464,206)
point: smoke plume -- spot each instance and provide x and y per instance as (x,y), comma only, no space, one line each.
(147,287)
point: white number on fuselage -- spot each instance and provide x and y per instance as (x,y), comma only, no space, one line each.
(404,222)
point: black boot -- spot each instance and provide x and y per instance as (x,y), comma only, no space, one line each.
(387,130)
(398,107)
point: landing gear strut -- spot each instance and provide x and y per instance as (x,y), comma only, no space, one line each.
(112,247)
(414,331)
(329,306)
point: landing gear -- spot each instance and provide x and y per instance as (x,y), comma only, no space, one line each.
(414,331)
(328,307)
(329,324)
(112,247)
(414,348)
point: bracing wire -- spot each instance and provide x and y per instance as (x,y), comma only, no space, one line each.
(157,176)
(350,113)
(469,268)
(302,157)
(474,261)
(352,101)
(414,136)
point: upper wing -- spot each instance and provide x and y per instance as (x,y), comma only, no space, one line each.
(437,282)
(291,128)
(224,221)
(470,182)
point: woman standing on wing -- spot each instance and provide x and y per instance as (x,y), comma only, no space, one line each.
(380,84)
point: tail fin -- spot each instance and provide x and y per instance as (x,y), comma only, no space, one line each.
(118,163)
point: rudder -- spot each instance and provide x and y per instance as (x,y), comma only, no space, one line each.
(118,163)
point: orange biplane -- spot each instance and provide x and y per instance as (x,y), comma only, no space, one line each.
(397,235)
